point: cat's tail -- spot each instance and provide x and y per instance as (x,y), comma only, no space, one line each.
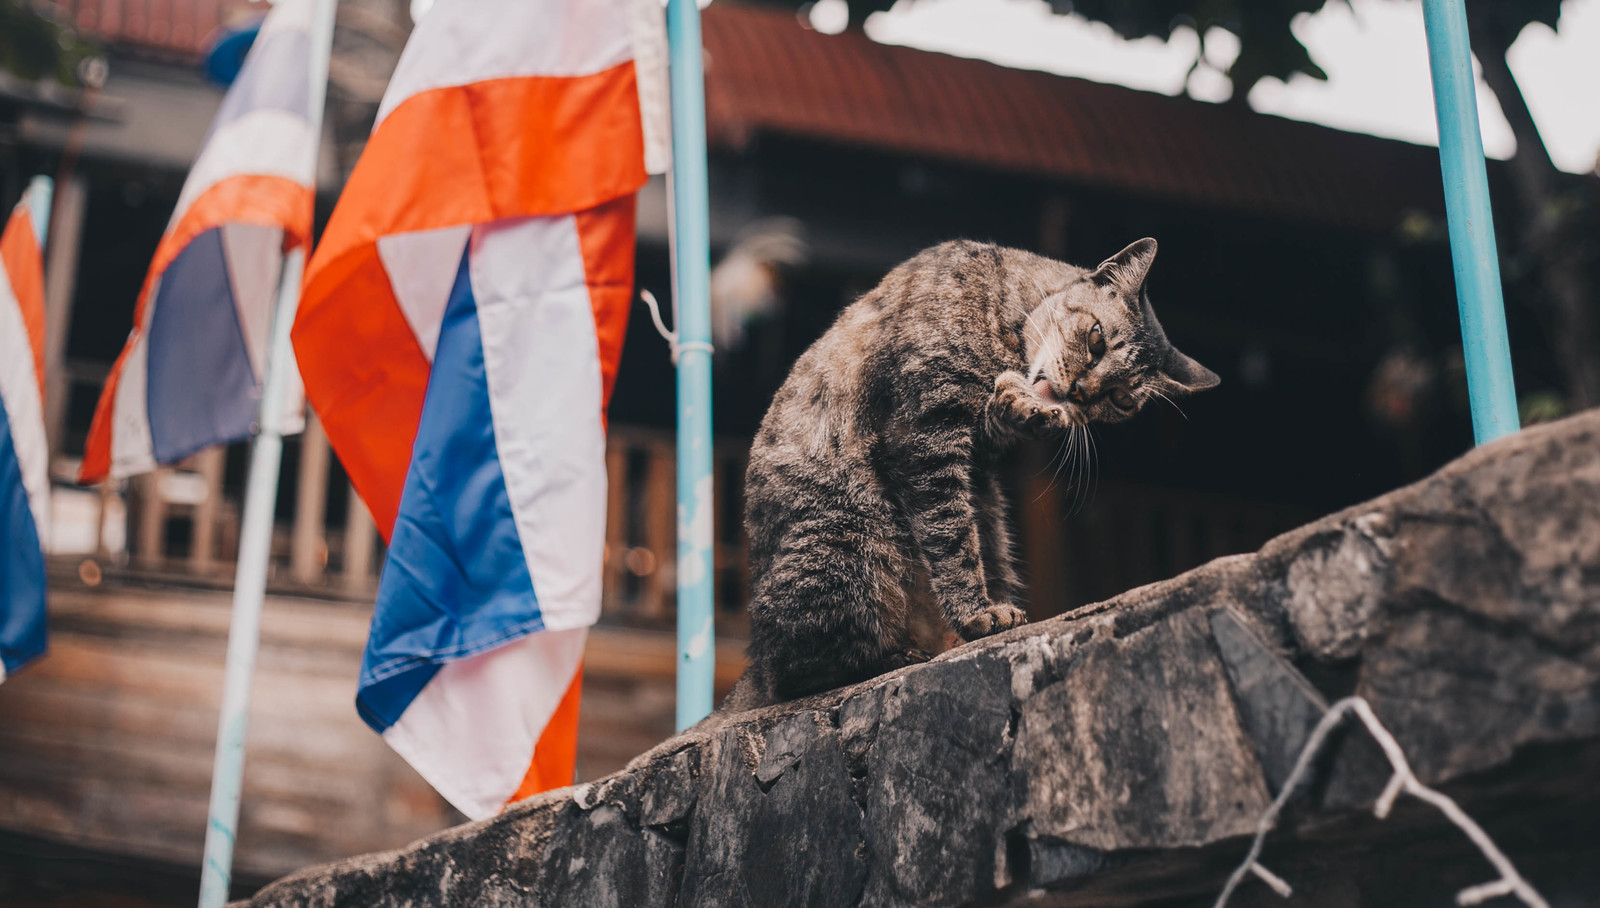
(753,690)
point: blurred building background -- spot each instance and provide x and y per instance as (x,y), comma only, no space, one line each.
(1305,265)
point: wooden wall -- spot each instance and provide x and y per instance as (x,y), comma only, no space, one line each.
(106,743)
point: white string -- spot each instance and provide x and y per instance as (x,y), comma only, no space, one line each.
(671,337)
(1509,883)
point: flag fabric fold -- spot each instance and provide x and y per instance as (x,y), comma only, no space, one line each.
(24,454)
(191,373)
(458,334)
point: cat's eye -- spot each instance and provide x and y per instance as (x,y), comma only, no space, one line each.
(1097,343)
(1122,399)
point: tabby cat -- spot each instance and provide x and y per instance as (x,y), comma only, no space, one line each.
(875,519)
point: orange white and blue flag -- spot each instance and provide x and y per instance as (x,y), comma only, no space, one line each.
(191,373)
(24,472)
(459,331)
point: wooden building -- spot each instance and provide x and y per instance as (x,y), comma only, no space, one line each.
(1298,262)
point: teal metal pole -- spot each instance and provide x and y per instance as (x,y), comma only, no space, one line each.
(38,196)
(692,295)
(255,532)
(1472,246)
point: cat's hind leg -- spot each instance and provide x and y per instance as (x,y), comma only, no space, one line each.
(830,610)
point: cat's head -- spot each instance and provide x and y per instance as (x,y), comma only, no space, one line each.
(1095,345)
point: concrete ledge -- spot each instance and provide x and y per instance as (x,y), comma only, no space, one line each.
(1121,754)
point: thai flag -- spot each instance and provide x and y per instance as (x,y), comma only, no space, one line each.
(458,335)
(190,375)
(24,468)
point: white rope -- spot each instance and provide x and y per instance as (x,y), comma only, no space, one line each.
(1509,883)
(671,337)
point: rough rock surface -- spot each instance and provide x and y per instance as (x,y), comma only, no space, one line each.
(1122,753)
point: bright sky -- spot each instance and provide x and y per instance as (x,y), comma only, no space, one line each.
(1374,52)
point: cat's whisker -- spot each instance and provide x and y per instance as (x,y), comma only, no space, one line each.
(1158,393)
(1049,463)
(1089,468)
(1037,365)
(1077,470)
(1094,452)
(1066,457)
(1054,347)
(1081,467)
(1178,408)
(1072,507)
(1055,473)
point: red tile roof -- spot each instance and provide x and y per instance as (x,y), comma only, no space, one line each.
(174,29)
(766,72)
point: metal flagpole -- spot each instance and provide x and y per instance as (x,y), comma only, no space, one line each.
(40,189)
(255,534)
(1472,246)
(691,288)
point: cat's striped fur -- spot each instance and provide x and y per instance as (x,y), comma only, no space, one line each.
(875,519)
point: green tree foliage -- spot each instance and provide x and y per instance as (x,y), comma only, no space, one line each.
(34,46)
(1554,218)
(1549,249)
(1267,46)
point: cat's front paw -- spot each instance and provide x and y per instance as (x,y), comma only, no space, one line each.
(1015,408)
(992,620)
(1012,394)
(1010,381)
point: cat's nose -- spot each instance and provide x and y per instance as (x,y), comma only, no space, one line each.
(1075,391)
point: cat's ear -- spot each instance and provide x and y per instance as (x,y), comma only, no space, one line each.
(1185,375)
(1128,268)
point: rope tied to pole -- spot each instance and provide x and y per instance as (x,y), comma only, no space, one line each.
(670,336)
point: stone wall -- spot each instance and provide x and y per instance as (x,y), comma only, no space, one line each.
(1122,753)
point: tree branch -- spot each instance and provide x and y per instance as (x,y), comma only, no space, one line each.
(1544,220)
(1531,166)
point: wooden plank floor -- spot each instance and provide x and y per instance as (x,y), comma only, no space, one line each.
(106,743)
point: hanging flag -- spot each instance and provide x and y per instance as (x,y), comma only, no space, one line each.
(190,375)
(458,335)
(24,455)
